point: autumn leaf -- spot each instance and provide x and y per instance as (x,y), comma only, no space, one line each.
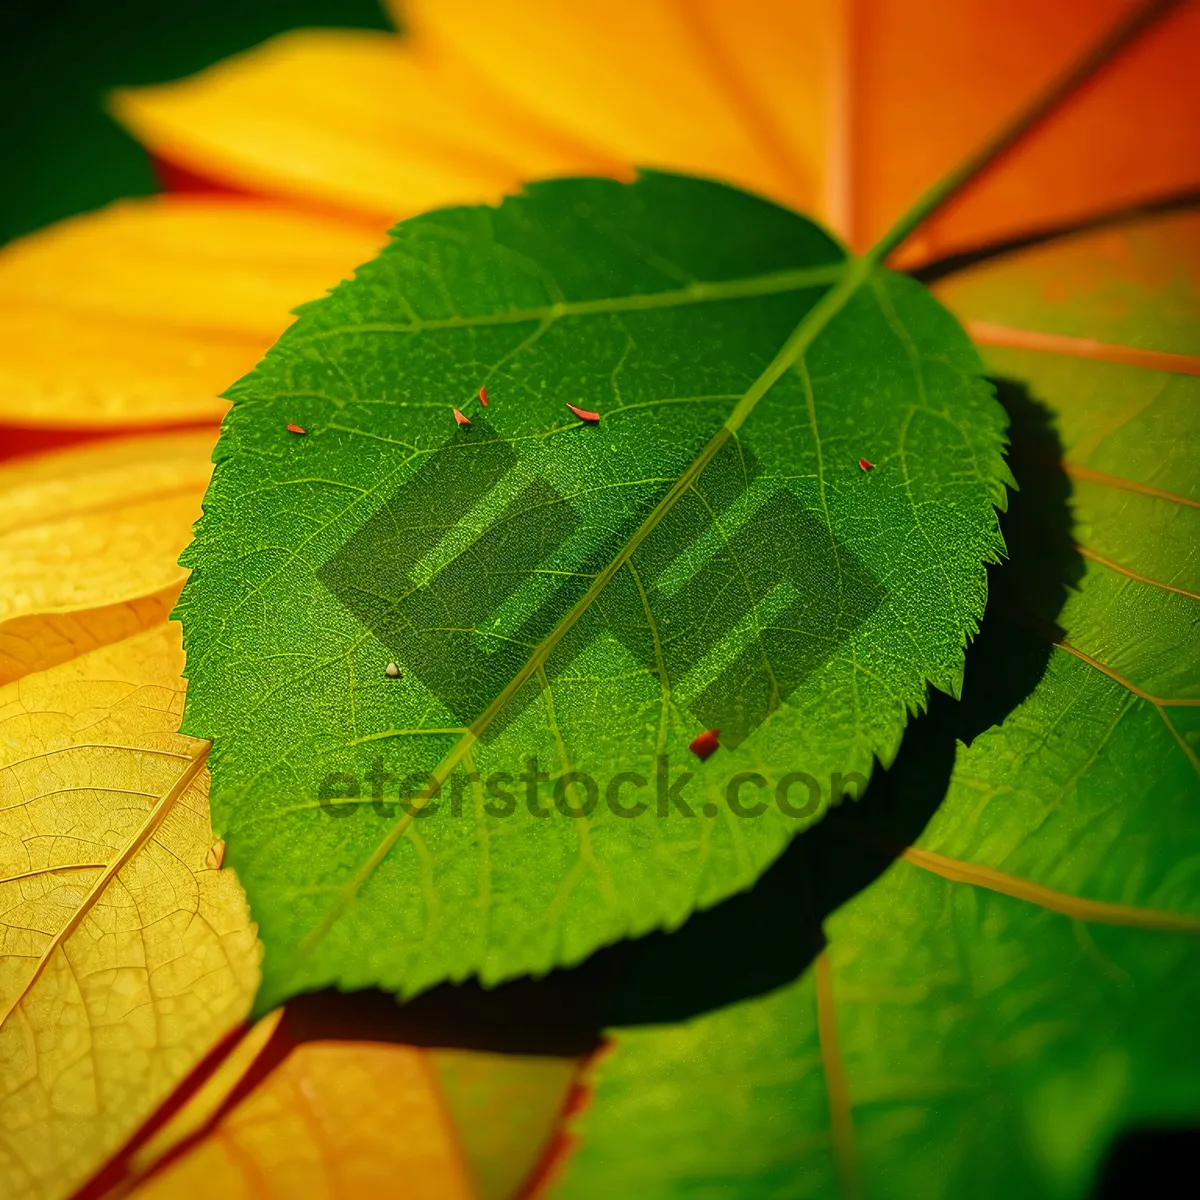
(89,544)
(127,953)
(291,1117)
(335,1119)
(363,122)
(812,104)
(142,313)
(1020,986)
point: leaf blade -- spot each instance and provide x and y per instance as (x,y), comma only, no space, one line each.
(161,301)
(150,927)
(448,1121)
(675,445)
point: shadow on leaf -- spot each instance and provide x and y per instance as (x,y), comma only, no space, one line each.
(766,937)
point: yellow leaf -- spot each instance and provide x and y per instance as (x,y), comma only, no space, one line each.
(851,109)
(444,1121)
(741,91)
(124,957)
(352,119)
(89,543)
(34,643)
(203,1106)
(848,110)
(144,312)
(333,1120)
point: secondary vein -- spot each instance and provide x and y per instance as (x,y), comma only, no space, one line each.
(810,325)
(771,284)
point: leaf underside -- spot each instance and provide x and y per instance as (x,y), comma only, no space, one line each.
(710,554)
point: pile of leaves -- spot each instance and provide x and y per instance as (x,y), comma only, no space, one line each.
(865,559)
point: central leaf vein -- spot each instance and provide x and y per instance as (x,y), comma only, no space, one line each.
(850,277)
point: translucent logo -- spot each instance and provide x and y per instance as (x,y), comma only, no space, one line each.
(735,596)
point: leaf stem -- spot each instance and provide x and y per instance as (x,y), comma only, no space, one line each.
(1122,34)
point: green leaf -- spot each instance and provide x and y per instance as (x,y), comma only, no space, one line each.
(1022,982)
(505,1109)
(592,595)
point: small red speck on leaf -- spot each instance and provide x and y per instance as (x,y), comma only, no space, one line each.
(583,414)
(866,464)
(706,744)
(460,418)
(483,396)
(296,428)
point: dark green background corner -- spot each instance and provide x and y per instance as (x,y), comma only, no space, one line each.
(61,152)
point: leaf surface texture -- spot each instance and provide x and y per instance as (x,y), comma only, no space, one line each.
(710,554)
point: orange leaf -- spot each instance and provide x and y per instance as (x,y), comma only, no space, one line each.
(335,1118)
(1132,133)
(851,110)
